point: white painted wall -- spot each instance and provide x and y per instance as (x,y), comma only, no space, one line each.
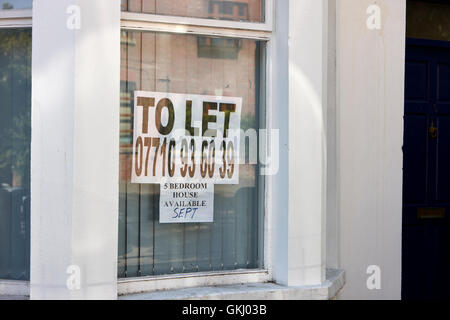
(298,194)
(370,100)
(308,55)
(75,149)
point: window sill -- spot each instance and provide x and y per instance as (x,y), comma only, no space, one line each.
(193,280)
(14,289)
(252,291)
(19,290)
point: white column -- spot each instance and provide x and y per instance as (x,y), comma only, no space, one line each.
(299,190)
(75,148)
(371,63)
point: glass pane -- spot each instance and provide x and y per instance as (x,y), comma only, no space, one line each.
(237,10)
(15,4)
(15,137)
(428,21)
(187,64)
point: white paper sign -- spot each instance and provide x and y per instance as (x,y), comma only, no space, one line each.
(185,138)
(186,203)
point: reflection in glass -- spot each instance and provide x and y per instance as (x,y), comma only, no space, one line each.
(195,65)
(428,20)
(15,137)
(234,10)
(15,4)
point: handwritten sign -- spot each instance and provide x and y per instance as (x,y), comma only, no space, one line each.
(183,138)
(186,203)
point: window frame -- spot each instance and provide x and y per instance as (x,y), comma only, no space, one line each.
(133,19)
(263,31)
(16,18)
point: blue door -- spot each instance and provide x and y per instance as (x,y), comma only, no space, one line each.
(426,171)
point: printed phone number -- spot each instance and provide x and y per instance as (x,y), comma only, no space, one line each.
(184,158)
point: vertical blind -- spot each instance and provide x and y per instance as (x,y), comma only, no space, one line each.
(15,139)
(196,65)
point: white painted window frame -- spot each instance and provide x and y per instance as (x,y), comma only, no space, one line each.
(136,20)
(217,28)
(294,209)
(15,18)
(197,26)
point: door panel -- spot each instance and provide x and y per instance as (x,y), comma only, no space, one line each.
(415,149)
(443,82)
(416,80)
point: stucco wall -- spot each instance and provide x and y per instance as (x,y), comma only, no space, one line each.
(370,101)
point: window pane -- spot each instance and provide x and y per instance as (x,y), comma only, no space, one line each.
(428,21)
(187,64)
(237,10)
(15,4)
(15,137)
